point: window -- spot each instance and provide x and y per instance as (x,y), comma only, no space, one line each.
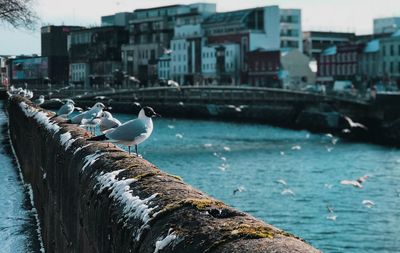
(391,50)
(383,50)
(391,67)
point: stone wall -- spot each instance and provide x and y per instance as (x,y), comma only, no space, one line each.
(95,198)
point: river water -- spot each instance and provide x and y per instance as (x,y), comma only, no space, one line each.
(18,227)
(255,161)
(290,179)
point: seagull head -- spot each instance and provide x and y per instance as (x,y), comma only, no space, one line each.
(41,97)
(99,106)
(106,115)
(148,112)
(70,101)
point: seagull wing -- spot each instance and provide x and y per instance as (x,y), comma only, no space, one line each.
(128,131)
(65,109)
(78,118)
(106,124)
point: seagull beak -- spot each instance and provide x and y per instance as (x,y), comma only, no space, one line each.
(156,115)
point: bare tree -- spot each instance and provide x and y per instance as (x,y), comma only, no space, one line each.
(18,13)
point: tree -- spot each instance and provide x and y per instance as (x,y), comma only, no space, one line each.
(18,13)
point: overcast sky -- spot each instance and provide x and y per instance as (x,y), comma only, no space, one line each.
(328,15)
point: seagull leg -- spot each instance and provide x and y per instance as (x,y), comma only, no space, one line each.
(129,149)
(136,149)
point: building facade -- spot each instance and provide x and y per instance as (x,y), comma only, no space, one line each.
(291,34)
(390,53)
(95,55)
(386,25)
(264,67)
(54,45)
(151,32)
(340,63)
(314,42)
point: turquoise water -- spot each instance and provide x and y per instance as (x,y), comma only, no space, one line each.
(219,157)
(18,230)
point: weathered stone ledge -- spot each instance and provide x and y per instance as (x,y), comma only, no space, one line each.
(94,198)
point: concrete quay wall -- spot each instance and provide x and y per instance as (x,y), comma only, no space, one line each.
(95,198)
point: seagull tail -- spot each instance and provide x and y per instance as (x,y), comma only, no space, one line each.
(98,138)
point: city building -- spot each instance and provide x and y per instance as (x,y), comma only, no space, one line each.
(54,45)
(95,56)
(386,25)
(220,64)
(150,34)
(163,67)
(314,42)
(291,35)
(340,63)
(370,61)
(28,71)
(390,52)
(295,70)
(117,19)
(250,29)
(264,68)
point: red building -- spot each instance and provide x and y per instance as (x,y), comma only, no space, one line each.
(339,63)
(263,68)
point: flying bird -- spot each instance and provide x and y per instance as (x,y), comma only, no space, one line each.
(132,132)
(174,84)
(353,124)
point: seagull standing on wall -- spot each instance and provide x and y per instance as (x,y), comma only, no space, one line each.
(132,132)
(108,122)
(66,109)
(40,100)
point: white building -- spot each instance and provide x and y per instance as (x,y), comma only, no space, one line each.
(163,67)
(296,70)
(386,25)
(221,64)
(79,72)
(291,35)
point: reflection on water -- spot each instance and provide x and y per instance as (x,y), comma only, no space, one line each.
(17,221)
(290,179)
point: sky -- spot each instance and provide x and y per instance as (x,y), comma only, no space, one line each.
(326,15)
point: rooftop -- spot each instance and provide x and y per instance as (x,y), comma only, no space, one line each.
(228,17)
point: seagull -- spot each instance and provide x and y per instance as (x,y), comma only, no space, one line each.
(66,109)
(91,118)
(167,51)
(239,189)
(174,84)
(134,79)
(356,183)
(132,132)
(108,122)
(287,192)
(331,215)
(40,100)
(368,203)
(296,147)
(353,124)
(281,181)
(346,131)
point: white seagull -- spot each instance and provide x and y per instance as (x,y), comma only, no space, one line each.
(132,132)
(356,183)
(353,124)
(174,84)
(91,118)
(108,122)
(40,100)
(66,109)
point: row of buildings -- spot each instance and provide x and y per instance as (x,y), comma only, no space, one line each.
(196,45)
(191,44)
